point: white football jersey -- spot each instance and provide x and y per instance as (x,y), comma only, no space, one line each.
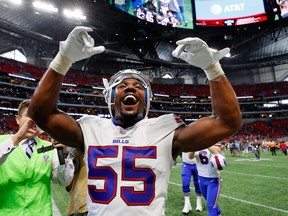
(186,159)
(128,169)
(164,6)
(204,166)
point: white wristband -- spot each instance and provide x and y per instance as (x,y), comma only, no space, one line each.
(214,71)
(60,64)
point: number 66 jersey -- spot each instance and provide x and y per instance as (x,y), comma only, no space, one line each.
(128,169)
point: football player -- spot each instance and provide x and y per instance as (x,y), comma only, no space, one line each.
(209,162)
(129,156)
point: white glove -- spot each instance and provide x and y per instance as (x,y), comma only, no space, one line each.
(196,52)
(78,45)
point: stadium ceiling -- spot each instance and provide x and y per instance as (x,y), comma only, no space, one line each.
(126,38)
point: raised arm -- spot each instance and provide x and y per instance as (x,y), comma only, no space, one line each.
(43,107)
(226,117)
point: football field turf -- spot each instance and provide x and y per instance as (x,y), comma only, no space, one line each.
(250,187)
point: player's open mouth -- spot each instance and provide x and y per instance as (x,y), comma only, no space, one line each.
(129,100)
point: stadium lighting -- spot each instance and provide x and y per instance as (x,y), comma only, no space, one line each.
(74,14)
(161,95)
(187,96)
(69,84)
(244,97)
(45,6)
(8,108)
(239,97)
(167,76)
(21,77)
(269,105)
(16,2)
(96,87)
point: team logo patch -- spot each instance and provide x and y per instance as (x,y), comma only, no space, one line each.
(46,158)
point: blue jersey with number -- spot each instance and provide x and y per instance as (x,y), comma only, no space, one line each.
(128,169)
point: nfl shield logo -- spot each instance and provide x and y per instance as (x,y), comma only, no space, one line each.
(46,158)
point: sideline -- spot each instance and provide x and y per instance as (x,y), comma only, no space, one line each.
(240,200)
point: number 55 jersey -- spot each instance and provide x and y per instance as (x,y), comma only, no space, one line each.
(128,169)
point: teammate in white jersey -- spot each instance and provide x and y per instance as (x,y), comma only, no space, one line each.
(129,156)
(209,176)
(189,170)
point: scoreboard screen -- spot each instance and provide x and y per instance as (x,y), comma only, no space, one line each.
(229,12)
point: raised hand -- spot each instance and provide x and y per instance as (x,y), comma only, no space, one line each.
(26,131)
(196,52)
(79,45)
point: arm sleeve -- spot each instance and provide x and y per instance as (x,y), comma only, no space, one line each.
(6,147)
(62,174)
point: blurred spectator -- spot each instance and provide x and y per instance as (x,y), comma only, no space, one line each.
(272,146)
(283,147)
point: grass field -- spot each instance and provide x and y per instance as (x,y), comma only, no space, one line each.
(250,187)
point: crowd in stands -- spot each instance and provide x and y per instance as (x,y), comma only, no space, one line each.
(95,79)
(90,100)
